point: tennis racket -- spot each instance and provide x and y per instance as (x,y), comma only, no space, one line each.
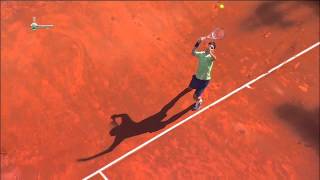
(217,33)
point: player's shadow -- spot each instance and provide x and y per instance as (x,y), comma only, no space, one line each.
(128,128)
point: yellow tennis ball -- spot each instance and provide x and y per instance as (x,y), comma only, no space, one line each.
(221,6)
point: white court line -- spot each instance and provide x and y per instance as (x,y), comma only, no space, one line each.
(200,111)
(104,176)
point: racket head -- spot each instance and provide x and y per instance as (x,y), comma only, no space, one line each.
(217,33)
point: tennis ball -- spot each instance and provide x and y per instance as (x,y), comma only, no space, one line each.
(221,6)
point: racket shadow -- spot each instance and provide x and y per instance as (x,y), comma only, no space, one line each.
(128,128)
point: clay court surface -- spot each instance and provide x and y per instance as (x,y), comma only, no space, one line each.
(60,87)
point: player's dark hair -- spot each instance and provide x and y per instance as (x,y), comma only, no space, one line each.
(213,44)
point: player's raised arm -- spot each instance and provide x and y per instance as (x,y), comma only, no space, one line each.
(197,45)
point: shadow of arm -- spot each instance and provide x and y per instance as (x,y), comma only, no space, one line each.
(115,143)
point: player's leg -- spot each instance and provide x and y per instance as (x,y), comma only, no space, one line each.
(193,83)
(197,97)
(199,91)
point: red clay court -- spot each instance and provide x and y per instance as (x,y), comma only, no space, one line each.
(61,87)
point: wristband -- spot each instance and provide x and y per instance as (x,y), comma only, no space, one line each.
(197,44)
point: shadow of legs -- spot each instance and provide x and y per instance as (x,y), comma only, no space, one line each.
(174,100)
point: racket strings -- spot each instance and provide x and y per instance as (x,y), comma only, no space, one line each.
(217,33)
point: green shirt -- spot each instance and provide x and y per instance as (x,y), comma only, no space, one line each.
(204,65)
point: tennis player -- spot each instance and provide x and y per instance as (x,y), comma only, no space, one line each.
(201,79)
